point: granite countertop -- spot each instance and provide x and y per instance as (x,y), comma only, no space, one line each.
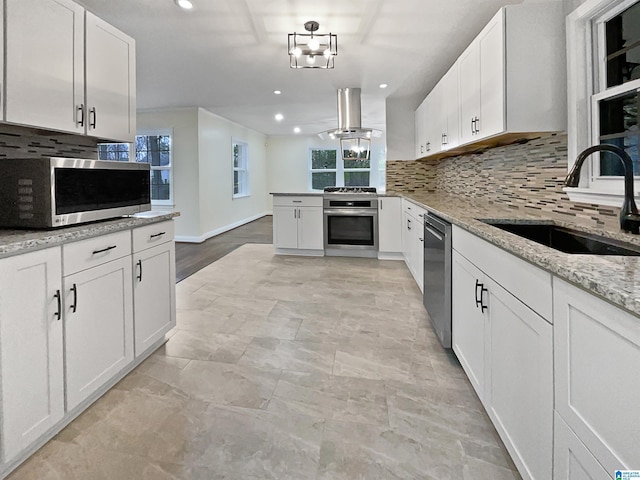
(13,242)
(297,194)
(614,278)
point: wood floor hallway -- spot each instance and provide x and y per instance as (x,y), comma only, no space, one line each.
(191,257)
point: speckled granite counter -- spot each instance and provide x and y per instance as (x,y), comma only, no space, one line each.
(297,194)
(14,242)
(614,278)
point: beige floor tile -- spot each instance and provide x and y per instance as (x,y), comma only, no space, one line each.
(289,355)
(217,347)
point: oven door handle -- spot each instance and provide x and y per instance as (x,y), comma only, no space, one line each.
(352,212)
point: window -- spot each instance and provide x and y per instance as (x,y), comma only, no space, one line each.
(153,148)
(327,170)
(604,93)
(240,169)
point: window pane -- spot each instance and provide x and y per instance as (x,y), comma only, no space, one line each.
(623,46)
(113,151)
(619,122)
(236,182)
(323,159)
(357,164)
(160,186)
(321,180)
(356,179)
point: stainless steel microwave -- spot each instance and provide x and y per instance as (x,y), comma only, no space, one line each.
(55,192)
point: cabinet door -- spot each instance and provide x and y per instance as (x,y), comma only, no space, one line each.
(469,82)
(520,379)
(571,459)
(492,77)
(596,358)
(407,235)
(390,224)
(310,229)
(468,321)
(451,108)
(45,64)
(419,123)
(31,359)
(98,327)
(111,82)
(418,254)
(153,294)
(285,227)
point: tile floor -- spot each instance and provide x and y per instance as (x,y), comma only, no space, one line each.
(287,368)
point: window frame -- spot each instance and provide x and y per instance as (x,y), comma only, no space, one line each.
(160,132)
(340,169)
(242,169)
(586,86)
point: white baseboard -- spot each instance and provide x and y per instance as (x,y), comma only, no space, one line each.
(218,231)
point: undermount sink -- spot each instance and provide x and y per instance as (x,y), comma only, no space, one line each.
(565,239)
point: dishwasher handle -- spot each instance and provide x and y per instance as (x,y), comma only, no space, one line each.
(436,222)
(438,235)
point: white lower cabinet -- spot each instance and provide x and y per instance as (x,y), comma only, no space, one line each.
(571,459)
(154,297)
(389,227)
(468,327)
(506,348)
(31,357)
(597,354)
(298,224)
(98,327)
(413,240)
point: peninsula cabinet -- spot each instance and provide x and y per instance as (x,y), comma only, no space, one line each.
(55,52)
(98,312)
(511,81)
(597,394)
(154,273)
(503,336)
(31,352)
(298,225)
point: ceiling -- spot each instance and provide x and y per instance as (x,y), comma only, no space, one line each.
(228,56)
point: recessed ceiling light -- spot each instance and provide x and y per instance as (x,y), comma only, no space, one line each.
(279,117)
(277,92)
(186,4)
(383,85)
(296,130)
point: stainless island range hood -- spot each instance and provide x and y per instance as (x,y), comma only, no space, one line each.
(355,141)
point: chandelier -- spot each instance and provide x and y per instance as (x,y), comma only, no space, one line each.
(312,50)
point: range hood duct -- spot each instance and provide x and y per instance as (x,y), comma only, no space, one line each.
(349,117)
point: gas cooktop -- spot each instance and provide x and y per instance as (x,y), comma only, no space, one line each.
(349,189)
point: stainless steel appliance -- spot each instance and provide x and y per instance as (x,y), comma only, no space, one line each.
(351,221)
(55,192)
(437,276)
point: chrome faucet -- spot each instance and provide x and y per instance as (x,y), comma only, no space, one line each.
(629,217)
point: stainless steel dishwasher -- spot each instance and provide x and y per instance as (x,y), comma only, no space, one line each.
(437,276)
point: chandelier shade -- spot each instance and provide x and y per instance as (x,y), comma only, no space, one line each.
(312,50)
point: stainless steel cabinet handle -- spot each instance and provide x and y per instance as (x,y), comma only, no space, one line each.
(58,313)
(74,289)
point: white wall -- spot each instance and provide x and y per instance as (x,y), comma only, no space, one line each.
(288,161)
(203,174)
(218,208)
(400,129)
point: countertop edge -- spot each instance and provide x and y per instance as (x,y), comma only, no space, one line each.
(16,242)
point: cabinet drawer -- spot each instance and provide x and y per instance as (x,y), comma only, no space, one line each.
(95,251)
(293,201)
(530,284)
(414,210)
(151,235)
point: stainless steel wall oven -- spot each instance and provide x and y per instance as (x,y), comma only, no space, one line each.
(351,222)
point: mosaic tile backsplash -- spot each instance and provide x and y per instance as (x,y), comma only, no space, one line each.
(523,176)
(20,142)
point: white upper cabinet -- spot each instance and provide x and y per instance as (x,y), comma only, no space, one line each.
(69,71)
(45,64)
(111,81)
(511,85)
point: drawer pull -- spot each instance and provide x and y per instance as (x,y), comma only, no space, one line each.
(57,296)
(157,235)
(74,289)
(139,276)
(95,252)
(297,201)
